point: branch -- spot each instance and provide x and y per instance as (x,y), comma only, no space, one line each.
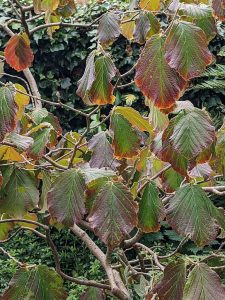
(102,258)
(65,276)
(155,257)
(129,243)
(24,221)
(176,250)
(11,257)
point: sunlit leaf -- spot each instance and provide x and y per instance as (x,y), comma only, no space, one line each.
(152,5)
(21,142)
(21,100)
(127,28)
(134,117)
(166,86)
(18,53)
(113,214)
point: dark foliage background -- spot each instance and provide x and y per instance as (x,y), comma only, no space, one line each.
(59,64)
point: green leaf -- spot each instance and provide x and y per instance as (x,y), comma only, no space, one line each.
(204,284)
(109,28)
(190,210)
(19,194)
(151,210)
(8,110)
(125,142)
(166,86)
(202,16)
(38,283)
(172,284)
(46,186)
(95,85)
(158,119)
(41,138)
(102,152)
(171,180)
(66,198)
(189,59)
(113,214)
(101,92)
(193,132)
(93,293)
(134,118)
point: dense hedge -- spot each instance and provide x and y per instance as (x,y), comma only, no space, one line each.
(59,64)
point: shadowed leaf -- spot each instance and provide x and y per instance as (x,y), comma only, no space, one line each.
(125,142)
(20,193)
(66,198)
(219,9)
(172,284)
(151,210)
(113,214)
(109,28)
(93,293)
(102,152)
(8,110)
(188,212)
(38,283)
(204,284)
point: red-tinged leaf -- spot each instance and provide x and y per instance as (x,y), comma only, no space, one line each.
(101,92)
(19,193)
(95,85)
(38,282)
(113,214)
(219,9)
(109,28)
(142,27)
(18,53)
(204,284)
(151,210)
(8,110)
(188,212)
(166,86)
(201,170)
(189,59)
(66,198)
(102,152)
(93,293)
(193,132)
(126,141)
(171,286)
